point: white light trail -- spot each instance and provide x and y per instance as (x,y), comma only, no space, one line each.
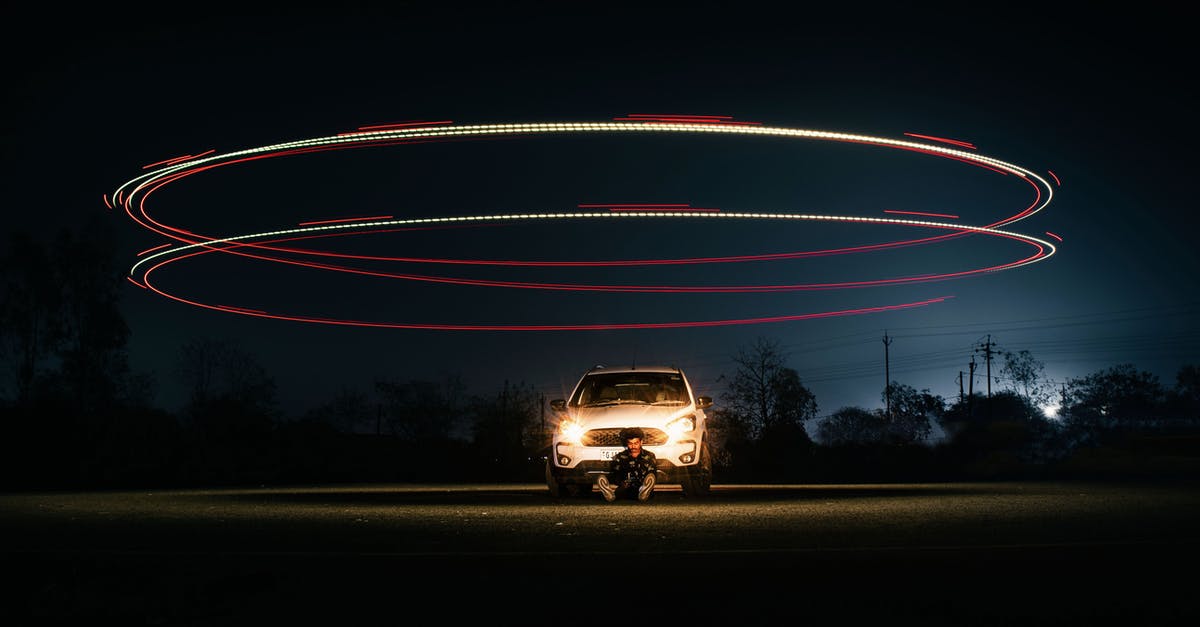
(132,195)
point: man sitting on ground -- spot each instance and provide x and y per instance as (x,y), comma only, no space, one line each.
(632,472)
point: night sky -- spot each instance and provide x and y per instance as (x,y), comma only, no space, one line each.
(1099,100)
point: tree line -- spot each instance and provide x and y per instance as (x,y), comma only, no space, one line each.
(1116,422)
(76,416)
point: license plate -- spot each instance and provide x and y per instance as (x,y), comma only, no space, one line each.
(608,454)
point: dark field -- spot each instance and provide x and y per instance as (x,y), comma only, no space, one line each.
(954,554)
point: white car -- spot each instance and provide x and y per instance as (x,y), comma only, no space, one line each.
(658,399)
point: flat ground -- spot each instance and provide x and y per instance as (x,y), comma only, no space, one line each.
(954,554)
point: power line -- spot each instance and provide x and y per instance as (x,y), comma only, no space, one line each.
(1049,351)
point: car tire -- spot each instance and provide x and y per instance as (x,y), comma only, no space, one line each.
(556,488)
(698,480)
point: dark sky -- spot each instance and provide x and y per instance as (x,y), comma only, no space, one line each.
(1100,100)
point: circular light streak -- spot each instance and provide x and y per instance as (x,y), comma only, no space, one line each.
(132,197)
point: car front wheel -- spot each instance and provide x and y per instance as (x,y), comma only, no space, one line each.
(556,488)
(698,480)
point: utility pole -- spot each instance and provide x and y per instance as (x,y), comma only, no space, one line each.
(987,355)
(887,377)
(960,390)
(1062,405)
(971,379)
(971,389)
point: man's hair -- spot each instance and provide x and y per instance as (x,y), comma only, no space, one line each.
(630,433)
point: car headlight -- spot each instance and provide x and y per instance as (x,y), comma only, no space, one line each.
(570,430)
(681,425)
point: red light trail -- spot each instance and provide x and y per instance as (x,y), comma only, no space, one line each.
(922,213)
(133,196)
(343,220)
(954,142)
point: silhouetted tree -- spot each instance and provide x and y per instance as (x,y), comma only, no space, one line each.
(1120,395)
(218,370)
(63,341)
(92,333)
(729,439)
(912,412)
(1005,435)
(60,319)
(760,429)
(507,432)
(1184,398)
(1187,383)
(350,411)
(1026,376)
(852,425)
(421,411)
(232,412)
(765,395)
(30,305)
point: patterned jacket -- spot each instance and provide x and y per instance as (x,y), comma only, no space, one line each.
(627,471)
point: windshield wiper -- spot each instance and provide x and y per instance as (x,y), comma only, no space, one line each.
(619,401)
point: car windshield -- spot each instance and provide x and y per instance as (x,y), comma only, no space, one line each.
(644,388)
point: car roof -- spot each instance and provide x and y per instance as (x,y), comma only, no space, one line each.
(632,368)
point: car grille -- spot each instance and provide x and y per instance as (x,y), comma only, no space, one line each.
(612,437)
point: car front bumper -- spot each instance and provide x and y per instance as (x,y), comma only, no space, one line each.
(573,463)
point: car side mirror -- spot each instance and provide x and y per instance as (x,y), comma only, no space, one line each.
(703,402)
(558,404)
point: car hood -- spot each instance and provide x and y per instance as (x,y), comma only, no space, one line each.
(630,415)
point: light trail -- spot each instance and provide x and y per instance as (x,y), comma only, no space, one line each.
(132,196)
(1044,249)
(364,138)
(954,142)
(922,213)
(339,220)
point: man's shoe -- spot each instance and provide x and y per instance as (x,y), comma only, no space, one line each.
(647,488)
(607,489)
